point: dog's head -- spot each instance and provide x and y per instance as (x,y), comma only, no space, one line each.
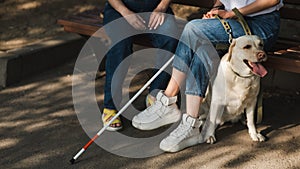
(246,54)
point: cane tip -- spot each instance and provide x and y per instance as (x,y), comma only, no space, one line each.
(72,161)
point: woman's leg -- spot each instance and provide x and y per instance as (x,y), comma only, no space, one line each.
(176,80)
(266,27)
(197,59)
(186,64)
(118,52)
(193,104)
(187,133)
(165,39)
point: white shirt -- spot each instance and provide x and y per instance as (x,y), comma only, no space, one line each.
(230,4)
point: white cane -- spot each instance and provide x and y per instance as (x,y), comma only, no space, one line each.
(122,110)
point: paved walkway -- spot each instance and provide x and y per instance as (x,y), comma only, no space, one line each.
(39,129)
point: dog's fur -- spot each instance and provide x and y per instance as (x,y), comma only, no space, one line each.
(235,88)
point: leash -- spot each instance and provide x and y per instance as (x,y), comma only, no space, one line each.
(247,31)
(228,29)
(242,21)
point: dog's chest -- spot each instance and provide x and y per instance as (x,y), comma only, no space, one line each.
(241,92)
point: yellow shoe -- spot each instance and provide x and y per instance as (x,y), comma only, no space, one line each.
(109,114)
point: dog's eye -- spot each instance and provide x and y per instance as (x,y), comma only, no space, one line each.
(261,45)
(247,47)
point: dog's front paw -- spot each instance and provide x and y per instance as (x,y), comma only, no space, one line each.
(211,140)
(257,137)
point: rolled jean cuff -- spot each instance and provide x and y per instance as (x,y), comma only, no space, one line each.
(179,68)
(194,93)
(196,90)
(181,63)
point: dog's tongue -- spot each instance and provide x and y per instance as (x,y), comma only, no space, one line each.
(258,69)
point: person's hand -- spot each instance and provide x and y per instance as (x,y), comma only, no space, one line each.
(157,18)
(208,15)
(222,13)
(135,20)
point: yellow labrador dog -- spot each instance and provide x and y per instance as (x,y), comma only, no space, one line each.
(235,87)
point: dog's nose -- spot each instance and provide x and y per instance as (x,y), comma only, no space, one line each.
(261,55)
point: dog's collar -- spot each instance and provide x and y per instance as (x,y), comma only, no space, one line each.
(236,73)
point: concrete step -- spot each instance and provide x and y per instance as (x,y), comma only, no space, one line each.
(18,64)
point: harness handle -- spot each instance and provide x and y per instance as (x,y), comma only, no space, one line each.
(228,29)
(242,21)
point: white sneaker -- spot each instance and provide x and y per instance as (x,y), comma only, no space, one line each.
(185,135)
(163,111)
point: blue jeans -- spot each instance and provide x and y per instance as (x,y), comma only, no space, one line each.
(122,49)
(196,55)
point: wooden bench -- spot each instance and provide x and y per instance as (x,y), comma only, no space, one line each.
(285,55)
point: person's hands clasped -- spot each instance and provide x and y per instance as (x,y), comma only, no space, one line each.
(157,18)
(135,21)
(222,13)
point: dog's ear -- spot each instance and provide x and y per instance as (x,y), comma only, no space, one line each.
(230,49)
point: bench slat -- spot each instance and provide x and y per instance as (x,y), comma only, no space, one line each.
(79,28)
(286,54)
(283,63)
(294,49)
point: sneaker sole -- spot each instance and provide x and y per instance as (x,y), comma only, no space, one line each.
(157,123)
(184,144)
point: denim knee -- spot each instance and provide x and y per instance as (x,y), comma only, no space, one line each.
(197,77)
